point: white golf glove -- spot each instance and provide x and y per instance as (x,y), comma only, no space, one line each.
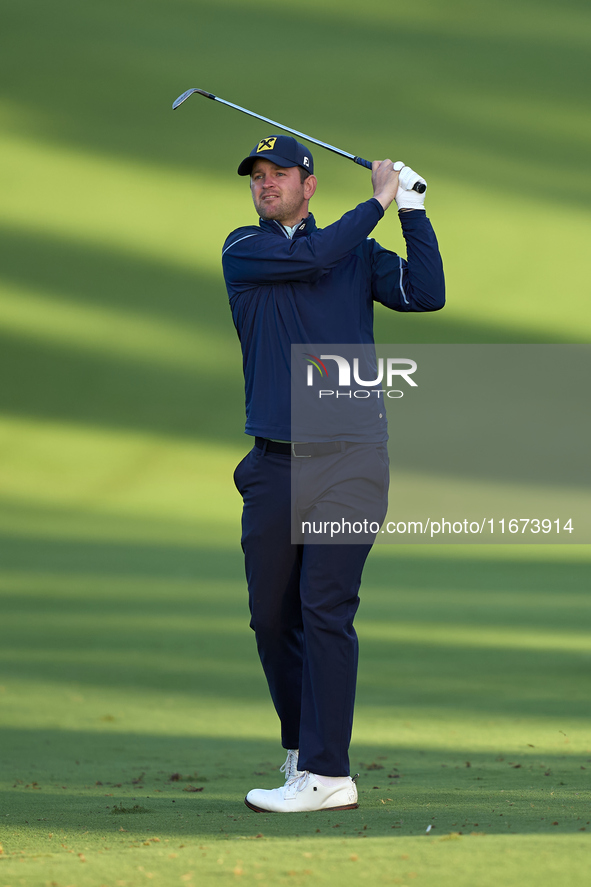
(406,198)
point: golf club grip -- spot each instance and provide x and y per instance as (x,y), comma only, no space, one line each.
(418,186)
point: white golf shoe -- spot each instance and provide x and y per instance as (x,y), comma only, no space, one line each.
(290,768)
(304,794)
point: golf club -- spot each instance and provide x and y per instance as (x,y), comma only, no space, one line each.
(419,187)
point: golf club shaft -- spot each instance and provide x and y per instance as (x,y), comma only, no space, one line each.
(419,187)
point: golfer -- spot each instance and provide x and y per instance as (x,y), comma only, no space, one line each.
(290,282)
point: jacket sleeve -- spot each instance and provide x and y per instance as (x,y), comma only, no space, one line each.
(416,284)
(260,258)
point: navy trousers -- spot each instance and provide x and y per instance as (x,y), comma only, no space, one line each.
(303,599)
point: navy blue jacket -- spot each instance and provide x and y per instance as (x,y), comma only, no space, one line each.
(318,287)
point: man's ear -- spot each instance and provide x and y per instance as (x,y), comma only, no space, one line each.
(310,186)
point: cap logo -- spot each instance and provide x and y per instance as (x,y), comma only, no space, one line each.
(266,144)
(306,161)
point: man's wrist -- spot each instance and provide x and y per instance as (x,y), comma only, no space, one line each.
(384,199)
(376,202)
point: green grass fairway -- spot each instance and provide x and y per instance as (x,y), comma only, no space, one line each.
(126,659)
(131,681)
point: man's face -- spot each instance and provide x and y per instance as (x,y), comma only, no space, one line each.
(278,192)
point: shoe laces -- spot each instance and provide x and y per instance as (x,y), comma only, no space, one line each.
(290,768)
(297,783)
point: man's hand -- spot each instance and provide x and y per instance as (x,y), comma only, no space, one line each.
(384,179)
(387,186)
(406,197)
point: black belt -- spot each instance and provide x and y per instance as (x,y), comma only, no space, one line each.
(301,450)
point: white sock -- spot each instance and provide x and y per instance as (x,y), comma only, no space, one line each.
(330,781)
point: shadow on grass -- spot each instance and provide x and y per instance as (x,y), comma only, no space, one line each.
(72,780)
(96,383)
(481,90)
(437,634)
(149,622)
(110,559)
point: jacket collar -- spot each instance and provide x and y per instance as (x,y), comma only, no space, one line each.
(307,226)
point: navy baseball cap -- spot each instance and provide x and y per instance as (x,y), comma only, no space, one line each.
(281,150)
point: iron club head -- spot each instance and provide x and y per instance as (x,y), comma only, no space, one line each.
(182,98)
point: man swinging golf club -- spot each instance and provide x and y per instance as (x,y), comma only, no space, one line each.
(291,282)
